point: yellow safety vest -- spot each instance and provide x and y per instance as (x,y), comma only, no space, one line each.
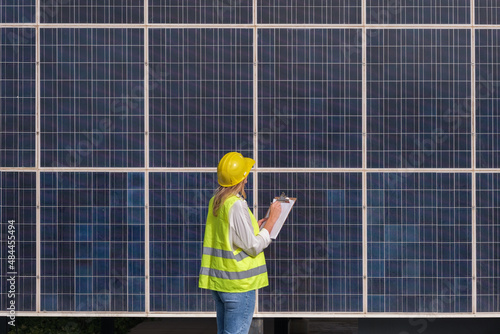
(223,269)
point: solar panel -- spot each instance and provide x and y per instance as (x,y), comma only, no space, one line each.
(92,97)
(310,98)
(418,98)
(487,12)
(309,12)
(92,11)
(20,11)
(418,12)
(487,99)
(200,11)
(92,241)
(18,240)
(315,264)
(419,242)
(488,237)
(201,95)
(17,98)
(177,215)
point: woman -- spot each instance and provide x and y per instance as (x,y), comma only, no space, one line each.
(233,264)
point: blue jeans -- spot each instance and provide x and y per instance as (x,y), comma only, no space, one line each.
(234,311)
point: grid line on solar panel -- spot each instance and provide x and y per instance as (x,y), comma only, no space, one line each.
(17,98)
(418,12)
(309,12)
(92,97)
(22,11)
(201,95)
(487,244)
(418,98)
(18,242)
(201,11)
(487,98)
(315,264)
(309,98)
(92,241)
(419,242)
(92,11)
(487,12)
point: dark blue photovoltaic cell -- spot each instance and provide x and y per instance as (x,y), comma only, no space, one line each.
(17,97)
(201,95)
(309,12)
(92,242)
(92,97)
(488,241)
(315,264)
(18,11)
(200,11)
(18,204)
(487,12)
(418,12)
(92,11)
(487,98)
(419,242)
(310,98)
(418,98)
(177,215)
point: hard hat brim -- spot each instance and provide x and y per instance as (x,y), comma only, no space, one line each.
(250,162)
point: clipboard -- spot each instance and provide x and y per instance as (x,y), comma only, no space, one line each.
(286,206)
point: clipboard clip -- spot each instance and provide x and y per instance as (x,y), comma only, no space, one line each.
(283,198)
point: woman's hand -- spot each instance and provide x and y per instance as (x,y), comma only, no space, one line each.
(275,210)
(274,213)
(262,221)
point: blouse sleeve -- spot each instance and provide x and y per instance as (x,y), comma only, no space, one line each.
(241,231)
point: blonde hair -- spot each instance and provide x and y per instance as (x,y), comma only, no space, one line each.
(223,193)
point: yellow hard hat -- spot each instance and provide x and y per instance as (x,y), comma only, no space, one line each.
(233,168)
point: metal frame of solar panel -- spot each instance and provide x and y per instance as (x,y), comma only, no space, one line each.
(379,116)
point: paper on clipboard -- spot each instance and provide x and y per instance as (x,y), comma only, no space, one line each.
(286,206)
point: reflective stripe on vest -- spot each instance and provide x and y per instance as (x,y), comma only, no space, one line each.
(233,275)
(224,254)
(222,268)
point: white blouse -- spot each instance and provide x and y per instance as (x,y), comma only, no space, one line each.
(241,233)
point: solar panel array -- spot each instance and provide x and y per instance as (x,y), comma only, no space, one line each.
(381,117)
